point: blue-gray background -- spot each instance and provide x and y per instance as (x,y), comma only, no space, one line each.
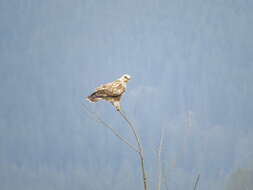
(191,64)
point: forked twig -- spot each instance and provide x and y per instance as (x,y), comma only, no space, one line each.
(196,182)
(140,148)
(99,120)
(160,174)
(137,138)
(165,178)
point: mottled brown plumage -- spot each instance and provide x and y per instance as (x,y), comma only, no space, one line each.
(111,92)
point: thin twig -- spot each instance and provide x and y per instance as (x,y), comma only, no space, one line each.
(137,138)
(159,161)
(165,180)
(99,120)
(140,148)
(196,182)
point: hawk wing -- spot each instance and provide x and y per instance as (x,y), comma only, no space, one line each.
(115,88)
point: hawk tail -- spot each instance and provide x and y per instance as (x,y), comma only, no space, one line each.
(93,97)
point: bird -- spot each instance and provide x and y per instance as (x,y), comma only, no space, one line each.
(111,92)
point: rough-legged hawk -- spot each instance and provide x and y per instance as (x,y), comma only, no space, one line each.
(111,92)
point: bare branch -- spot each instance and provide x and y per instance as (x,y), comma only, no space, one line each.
(159,160)
(165,178)
(99,120)
(140,148)
(196,182)
(137,138)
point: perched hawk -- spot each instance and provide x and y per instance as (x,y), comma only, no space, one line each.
(111,92)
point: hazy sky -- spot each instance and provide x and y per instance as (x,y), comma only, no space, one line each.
(191,64)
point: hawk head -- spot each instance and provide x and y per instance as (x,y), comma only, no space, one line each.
(125,78)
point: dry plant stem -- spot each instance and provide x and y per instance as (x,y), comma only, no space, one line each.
(99,120)
(196,182)
(159,161)
(165,178)
(140,150)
